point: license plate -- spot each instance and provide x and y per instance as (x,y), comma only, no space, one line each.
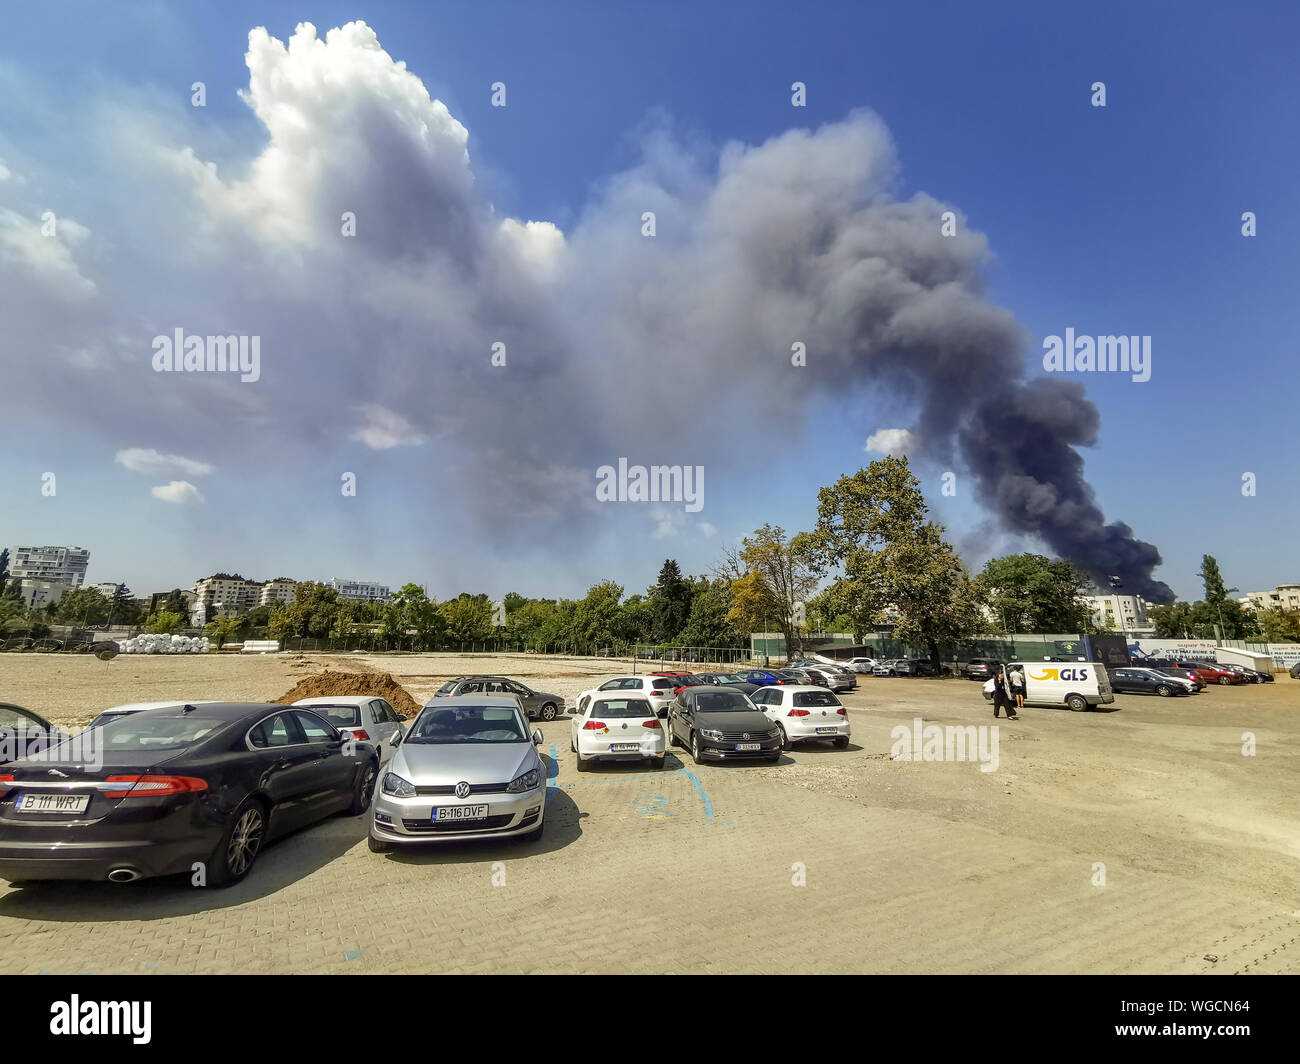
(52,803)
(827,731)
(749,746)
(460,812)
(624,748)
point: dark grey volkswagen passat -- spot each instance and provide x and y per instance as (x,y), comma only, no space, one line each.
(717,723)
(152,793)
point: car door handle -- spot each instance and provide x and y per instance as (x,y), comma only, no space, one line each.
(284,762)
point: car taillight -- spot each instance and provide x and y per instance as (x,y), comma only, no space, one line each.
(594,725)
(155,786)
(360,733)
(797,713)
(842,711)
(5,781)
(650,724)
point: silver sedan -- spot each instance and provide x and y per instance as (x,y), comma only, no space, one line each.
(466,769)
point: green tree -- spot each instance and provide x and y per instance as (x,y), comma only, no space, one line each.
(596,617)
(1279,625)
(896,565)
(83,606)
(776,576)
(225,628)
(468,618)
(411,611)
(670,602)
(1032,593)
(164,622)
(708,624)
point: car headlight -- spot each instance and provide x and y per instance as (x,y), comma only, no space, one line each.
(526,782)
(774,734)
(398,787)
(711,733)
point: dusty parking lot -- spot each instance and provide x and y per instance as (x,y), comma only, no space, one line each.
(1137,840)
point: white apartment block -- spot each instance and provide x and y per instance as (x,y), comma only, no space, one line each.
(37,594)
(1284,596)
(360,590)
(106,589)
(66,565)
(1123,613)
(277,592)
(224,595)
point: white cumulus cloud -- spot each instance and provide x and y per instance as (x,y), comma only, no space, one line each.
(382,429)
(897,442)
(178,491)
(147,460)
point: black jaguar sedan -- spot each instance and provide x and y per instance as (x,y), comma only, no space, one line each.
(198,789)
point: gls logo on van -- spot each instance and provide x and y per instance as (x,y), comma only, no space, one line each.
(1078,675)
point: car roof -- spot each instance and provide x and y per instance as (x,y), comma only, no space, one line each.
(473,700)
(799,687)
(338,700)
(140,707)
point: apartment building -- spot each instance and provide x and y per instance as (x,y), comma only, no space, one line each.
(37,594)
(361,590)
(66,565)
(276,592)
(1284,596)
(1123,613)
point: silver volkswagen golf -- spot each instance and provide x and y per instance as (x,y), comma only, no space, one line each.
(466,769)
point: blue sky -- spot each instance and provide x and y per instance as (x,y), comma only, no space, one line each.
(1117,220)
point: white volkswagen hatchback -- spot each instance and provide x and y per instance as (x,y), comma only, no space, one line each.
(804,714)
(615,726)
(660,690)
(367,717)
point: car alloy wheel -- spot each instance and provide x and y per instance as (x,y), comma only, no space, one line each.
(1077,703)
(365,788)
(695,748)
(1225,681)
(548,711)
(1163,691)
(245,841)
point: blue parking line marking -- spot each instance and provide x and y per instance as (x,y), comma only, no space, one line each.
(353,954)
(699,789)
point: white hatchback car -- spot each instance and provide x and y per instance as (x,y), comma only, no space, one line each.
(804,714)
(126,709)
(367,717)
(659,690)
(616,726)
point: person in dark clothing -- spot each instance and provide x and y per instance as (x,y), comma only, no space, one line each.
(1001,697)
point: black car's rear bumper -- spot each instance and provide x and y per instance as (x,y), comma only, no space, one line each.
(95,860)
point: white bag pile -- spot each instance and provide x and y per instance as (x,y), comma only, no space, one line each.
(158,643)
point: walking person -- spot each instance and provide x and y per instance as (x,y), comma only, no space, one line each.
(1001,698)
(1018,687)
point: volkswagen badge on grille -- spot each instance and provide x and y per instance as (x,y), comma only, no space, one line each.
(462,789)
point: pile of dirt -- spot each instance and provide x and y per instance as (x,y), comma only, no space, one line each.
(379,684)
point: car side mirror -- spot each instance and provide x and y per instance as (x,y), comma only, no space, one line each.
(573,710)
(537,737)
(397,739)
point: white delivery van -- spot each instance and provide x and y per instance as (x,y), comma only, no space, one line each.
(1078,685)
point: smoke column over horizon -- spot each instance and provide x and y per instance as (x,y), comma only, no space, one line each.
(669,348)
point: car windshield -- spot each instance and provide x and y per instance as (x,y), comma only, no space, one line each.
(459,725)
(339,716)
(722,702)
(617,708)
(727,677)
(135,731)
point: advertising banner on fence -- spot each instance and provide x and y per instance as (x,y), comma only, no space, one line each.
(1284,654)
(1195,649)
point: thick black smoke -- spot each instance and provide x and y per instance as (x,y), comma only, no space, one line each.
(673,348)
